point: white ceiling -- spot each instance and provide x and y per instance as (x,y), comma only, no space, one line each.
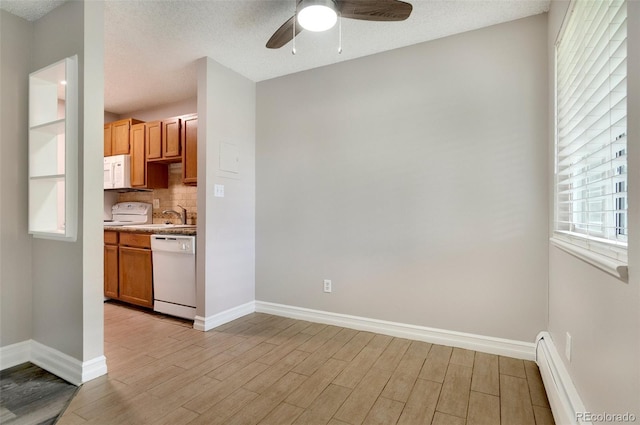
(151,46)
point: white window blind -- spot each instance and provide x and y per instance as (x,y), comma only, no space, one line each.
(591,138)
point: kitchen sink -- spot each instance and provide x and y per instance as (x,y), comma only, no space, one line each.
(162,226)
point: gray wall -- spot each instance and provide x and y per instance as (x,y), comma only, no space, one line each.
(226,265)
(92,179)
(187,106)
(416,180)
(52,291)
(57,266)
(16,41)
(601,313)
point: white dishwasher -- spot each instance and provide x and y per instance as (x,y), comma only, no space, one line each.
(174,275)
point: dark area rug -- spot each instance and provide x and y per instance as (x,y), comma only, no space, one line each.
(29,395)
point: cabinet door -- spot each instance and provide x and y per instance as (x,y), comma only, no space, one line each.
(154,140)
(107,140)
(136,276)
(138,157)
(190,150)
(120,137)
(171,138)
(111,271)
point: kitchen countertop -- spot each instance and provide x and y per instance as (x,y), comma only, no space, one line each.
(156,231)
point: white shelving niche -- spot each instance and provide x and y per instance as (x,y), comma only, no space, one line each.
(53,151)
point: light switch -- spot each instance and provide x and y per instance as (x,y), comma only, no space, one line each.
(218,190)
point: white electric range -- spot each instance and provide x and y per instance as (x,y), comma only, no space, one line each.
(129,213)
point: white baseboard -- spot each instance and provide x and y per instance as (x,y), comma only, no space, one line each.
(56,362)
(15,354)
(94,368)
(564,399)
(485,344)
(207,323)
(60,364)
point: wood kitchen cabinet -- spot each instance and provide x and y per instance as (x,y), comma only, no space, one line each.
(135,267)
(111,264)
(128,268)
(171,147)
(107,140)
(143,174)
(189,137)
(117,137)
(154,140)
(164,141)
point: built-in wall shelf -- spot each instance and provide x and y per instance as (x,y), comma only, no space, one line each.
(53,151)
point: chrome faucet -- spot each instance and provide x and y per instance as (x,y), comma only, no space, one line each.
(182,214)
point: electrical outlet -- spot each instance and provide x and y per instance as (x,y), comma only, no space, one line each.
(327,285)
(218,190)
(156,203)
(567,346)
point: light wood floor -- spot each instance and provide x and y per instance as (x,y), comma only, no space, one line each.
(263,369)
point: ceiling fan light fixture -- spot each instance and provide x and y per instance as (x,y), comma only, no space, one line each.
(317,15)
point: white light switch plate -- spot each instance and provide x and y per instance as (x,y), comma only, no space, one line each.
(327,285)
(218,190)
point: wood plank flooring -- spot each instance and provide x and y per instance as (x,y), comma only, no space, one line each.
(263,369)
(30,395)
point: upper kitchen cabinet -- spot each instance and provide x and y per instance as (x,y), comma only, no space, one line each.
(190,149)
(53,151)
(117,137)
(107,140)
(164,141)
(138,156)
(143,174)
(171,138)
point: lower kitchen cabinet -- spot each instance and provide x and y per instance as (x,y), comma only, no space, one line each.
(111,264)
(135,276)
(134,269)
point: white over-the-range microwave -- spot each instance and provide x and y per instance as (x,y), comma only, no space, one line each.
(117,172)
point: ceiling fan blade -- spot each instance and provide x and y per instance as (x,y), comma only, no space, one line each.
(284,34)
(375,10)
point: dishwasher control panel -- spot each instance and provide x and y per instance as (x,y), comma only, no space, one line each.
(173,243)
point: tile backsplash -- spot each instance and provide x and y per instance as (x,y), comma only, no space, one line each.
(176,194)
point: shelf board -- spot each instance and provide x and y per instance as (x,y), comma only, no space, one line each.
(48,233)
(56,230)
(48,177)
(51,127)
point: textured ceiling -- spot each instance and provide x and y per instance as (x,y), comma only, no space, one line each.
(31,10)
(151,46)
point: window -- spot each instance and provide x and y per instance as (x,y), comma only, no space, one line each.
(591,128)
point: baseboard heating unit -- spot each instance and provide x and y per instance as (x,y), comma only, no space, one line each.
(563,397)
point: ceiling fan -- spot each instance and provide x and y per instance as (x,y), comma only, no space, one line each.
(320,15)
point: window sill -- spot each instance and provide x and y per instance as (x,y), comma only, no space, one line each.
(614,267)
